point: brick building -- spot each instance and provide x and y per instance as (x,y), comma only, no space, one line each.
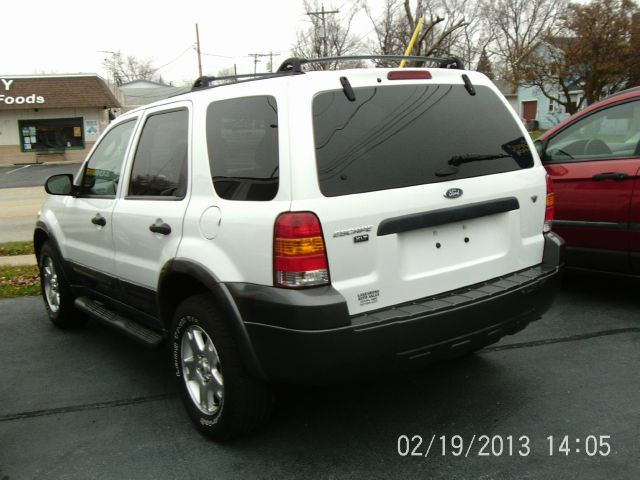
(52,117)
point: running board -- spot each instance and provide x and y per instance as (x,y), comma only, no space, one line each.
(136,331)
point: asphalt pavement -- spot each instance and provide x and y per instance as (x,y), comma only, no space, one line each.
(21,196)
(33,175)
(92,404)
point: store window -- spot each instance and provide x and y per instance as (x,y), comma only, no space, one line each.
(51,134)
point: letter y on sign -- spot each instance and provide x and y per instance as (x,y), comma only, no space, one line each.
(7,84)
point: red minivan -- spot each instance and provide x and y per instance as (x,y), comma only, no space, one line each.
(593,159)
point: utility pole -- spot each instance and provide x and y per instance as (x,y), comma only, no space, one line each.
(321,14)
(198,50)
(255,59)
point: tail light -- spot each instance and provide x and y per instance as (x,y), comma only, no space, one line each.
(550,206)
(299,254)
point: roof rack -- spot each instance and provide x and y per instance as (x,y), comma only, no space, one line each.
(206,81)
(295,64)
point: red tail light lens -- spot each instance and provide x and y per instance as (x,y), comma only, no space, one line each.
(299,254)
(409,75)
(550,206)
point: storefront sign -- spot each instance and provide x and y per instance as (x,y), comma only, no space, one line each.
(9,99)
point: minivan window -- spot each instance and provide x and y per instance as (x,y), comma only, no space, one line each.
(242,140)
(403,135)
(160,164)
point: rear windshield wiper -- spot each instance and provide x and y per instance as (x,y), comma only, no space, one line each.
(474,157)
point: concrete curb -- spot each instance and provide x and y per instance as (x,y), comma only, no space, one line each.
(18,260)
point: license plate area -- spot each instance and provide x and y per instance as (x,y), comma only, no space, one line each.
(435,250)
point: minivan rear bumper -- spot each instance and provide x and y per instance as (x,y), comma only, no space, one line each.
(307,336)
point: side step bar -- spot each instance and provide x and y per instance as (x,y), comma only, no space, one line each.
(136,331)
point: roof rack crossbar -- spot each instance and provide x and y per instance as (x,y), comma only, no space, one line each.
(295,64)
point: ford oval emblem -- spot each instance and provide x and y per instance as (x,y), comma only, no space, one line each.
(453,193)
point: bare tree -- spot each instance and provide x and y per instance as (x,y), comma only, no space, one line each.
(450,28)
(335,40)
(517,28)
(124,69)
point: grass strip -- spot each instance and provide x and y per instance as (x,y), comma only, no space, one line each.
(19,281)
(10,249)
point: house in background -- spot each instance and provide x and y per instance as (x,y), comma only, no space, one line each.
(533,105)
(143,92)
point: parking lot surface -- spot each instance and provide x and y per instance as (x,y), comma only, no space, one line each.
(21,196)
(92,404)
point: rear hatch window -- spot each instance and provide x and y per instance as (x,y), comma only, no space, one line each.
(404,135)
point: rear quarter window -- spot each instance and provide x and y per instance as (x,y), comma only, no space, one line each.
(242,141)
(404,135)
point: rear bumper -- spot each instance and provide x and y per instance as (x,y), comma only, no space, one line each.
(308,337)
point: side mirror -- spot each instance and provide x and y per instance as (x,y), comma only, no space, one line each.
(540,148)
(59,184)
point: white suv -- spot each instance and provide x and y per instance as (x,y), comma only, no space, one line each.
(305,227)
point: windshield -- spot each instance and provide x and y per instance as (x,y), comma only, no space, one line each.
(399,136)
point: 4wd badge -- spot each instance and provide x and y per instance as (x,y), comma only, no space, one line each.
(453,193)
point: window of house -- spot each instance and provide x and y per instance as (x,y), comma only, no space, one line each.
(160,163)
(51,134)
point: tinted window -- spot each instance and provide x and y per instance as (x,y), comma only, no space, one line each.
(102,172)
(242,138)
(160,164)
(398,136)
(610,133)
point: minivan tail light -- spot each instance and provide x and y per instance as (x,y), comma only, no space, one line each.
(550,207)
(409,75)
(299,253)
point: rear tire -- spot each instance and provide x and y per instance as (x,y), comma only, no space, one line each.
(56,292)
(222,398)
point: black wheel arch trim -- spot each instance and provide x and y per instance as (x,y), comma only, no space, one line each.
(223,299)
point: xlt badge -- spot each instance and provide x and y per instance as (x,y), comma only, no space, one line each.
(453,193)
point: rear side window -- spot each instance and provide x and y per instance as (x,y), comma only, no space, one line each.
(399,136)
(242,139)
(160,164)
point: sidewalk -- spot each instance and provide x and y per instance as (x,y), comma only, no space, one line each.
(18,260)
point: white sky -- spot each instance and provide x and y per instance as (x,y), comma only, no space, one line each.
(50,36)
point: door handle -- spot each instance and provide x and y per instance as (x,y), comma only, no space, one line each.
(99,220)
(617,176)
(160,227)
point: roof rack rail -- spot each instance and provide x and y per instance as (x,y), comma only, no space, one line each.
(295,64)
(206,81)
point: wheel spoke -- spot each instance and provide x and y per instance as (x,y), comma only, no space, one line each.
(189,368)
(198,341)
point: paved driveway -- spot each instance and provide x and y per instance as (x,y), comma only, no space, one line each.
(92,404)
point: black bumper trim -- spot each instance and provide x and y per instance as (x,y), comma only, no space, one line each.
(458,298)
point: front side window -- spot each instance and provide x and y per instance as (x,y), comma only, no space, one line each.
(102,172)
(160,163)
(610,133)
(51,135)
(242,140)
(404,135)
